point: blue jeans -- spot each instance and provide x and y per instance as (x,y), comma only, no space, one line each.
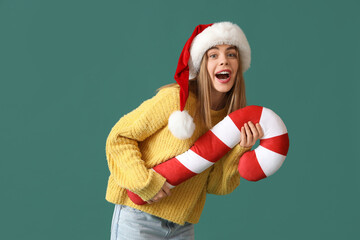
(129,223)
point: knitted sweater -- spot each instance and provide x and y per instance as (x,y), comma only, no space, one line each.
(141,140)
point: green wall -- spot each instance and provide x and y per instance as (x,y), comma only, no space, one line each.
(70,69)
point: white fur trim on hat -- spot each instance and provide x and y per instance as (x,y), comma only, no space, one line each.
(181,124)
(218,34)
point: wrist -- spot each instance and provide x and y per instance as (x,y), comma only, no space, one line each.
(153,187)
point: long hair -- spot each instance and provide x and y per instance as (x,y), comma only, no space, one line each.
(201,87)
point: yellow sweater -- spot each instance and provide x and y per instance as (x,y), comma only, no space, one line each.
(141,140)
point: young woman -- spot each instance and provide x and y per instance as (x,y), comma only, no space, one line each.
(214,59)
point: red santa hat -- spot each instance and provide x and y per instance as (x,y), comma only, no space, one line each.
(205,36)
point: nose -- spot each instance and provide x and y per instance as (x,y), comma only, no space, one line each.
(223,60)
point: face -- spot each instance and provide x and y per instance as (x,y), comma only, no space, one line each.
(222,67)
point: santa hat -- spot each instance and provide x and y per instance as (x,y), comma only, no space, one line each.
(205,36)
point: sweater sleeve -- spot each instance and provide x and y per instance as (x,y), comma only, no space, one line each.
(224,176)
(122,151)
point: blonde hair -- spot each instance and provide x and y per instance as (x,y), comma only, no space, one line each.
(201,87)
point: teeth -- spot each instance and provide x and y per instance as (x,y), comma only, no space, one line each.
(223,72)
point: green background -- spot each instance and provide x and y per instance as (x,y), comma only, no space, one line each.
(70,69)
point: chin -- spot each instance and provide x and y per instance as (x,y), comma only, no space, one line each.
(223,88)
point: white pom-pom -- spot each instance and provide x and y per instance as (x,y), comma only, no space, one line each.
(181,124)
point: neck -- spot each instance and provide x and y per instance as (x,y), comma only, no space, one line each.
(218,100)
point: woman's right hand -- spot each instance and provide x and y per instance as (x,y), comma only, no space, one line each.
(164,192)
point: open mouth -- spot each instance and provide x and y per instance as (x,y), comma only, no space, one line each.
(223,76)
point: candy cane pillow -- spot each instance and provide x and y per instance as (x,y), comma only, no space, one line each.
(262,162)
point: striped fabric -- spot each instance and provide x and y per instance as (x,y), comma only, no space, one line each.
(262,162)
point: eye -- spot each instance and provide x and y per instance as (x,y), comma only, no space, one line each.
(213,55)
(232,54)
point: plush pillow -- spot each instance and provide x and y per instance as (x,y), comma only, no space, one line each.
(254,165)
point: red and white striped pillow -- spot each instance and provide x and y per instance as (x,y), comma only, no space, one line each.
(257,164)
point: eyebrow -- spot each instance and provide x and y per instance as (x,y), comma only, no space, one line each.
(229,48)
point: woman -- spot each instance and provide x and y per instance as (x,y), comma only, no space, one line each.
(214,58)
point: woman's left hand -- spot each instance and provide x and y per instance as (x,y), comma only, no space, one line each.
(250,133)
